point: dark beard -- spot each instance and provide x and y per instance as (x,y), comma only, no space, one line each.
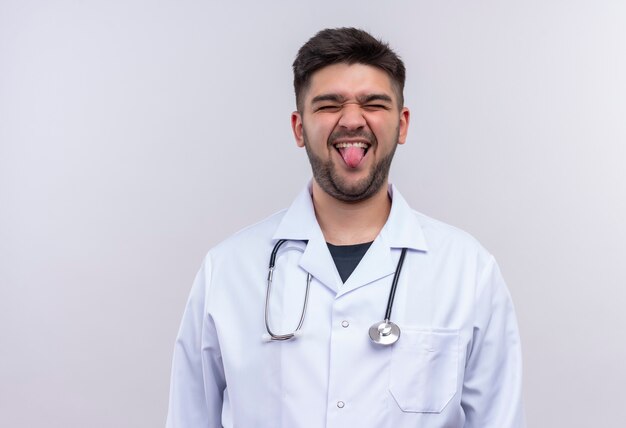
(331,183)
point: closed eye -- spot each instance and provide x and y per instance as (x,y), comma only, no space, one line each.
(376,107)
(329,108)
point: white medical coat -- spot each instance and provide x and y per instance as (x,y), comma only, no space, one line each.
(457,363)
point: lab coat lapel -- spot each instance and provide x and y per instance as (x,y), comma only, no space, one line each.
(402,230)
(375,264)
(299,223)
(318,261)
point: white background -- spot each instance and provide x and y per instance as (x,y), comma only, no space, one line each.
(135,135)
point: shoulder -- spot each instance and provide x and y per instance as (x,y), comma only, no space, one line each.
(443,238)
(459,252)
(251,237)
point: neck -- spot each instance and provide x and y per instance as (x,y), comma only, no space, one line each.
(348,223)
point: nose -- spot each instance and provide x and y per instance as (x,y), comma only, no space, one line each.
(351,117)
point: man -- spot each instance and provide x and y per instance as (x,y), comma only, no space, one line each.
(446,353)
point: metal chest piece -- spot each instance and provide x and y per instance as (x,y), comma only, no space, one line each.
(384,333)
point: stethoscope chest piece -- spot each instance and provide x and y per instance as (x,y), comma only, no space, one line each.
(384,333)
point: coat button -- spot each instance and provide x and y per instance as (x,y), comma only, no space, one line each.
(340,404)
(345,324)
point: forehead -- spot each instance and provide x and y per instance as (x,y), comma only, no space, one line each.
(349,81)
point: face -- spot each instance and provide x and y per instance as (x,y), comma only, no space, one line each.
(350,124)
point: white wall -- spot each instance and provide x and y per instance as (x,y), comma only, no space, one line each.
(135,135)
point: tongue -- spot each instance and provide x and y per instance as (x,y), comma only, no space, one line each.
(352,155)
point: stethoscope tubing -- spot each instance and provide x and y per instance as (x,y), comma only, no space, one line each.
(376,337)
(394,286)
(270,277)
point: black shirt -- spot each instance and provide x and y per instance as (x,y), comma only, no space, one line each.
(347,257)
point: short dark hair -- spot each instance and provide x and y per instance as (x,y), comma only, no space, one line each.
(345,45)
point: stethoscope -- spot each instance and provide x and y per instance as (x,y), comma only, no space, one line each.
(383,332)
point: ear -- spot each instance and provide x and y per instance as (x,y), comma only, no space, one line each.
(403,127)
(296,126)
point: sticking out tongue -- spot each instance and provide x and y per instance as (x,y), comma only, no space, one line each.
(352,155)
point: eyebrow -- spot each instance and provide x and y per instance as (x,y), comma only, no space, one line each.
(363,99)
(328,97)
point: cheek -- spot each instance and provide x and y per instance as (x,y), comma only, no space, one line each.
(317,131)
(383,129)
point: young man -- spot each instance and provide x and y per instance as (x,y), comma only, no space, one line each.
(400,320)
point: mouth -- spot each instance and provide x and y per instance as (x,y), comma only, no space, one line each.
(352,152)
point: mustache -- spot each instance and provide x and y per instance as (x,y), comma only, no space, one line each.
(346,134)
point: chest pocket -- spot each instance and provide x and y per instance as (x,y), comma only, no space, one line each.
(424,370)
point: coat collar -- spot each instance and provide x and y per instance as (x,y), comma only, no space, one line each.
(402,230)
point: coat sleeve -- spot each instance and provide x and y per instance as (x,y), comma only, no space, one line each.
(197,380)
(492,387)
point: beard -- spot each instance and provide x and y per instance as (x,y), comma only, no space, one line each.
(345,190)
